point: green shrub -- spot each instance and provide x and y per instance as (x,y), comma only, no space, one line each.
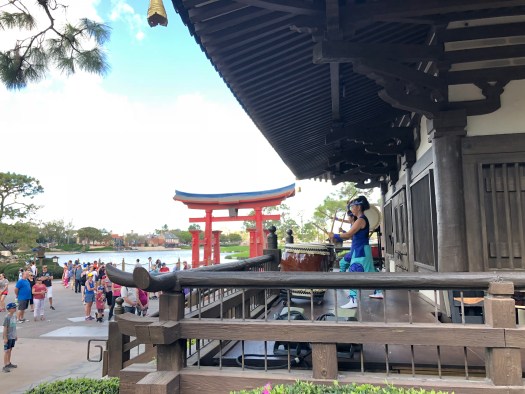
(78,386)
(11,271)
(301,387)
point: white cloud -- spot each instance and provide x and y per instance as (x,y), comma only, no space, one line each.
(136,22)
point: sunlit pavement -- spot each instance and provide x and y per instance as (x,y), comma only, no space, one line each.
(56,348)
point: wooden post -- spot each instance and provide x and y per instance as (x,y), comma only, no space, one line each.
(446,132)
(289,236)
(324,360)
(171,357)
(116,355)
(503,365)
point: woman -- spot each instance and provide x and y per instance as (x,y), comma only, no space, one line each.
(360,257)
(89,295)
(32,282)
(4,284)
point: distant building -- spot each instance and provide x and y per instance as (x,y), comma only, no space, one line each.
(171,240)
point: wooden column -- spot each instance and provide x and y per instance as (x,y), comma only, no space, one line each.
(324,360)
(446,132)
(171,308)
(503,365)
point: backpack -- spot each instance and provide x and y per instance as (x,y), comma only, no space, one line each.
(296,348)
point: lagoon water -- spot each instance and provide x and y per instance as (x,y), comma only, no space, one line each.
(169,257)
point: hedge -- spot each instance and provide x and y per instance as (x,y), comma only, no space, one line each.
(78,386)
(301,387)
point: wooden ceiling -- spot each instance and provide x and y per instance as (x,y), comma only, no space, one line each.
(338,87)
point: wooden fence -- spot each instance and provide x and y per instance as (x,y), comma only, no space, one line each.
(229,306)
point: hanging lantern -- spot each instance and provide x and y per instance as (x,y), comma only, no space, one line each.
(157,13)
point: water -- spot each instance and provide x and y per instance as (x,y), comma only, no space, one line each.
(130,257)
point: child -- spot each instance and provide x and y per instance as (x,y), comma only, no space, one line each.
(100,301)
(39,297)
(10,336)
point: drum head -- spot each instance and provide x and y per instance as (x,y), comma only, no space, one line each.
(312,248)
(374,217)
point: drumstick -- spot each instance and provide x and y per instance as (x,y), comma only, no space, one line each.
(333,221)
(320,228)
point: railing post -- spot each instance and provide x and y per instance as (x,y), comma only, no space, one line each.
(289,236)
(171,308)
(273,249)
(503,365)
(116,341)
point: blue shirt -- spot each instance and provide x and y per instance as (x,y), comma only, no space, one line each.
(24,289)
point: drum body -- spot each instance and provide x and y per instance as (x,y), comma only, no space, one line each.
(307,258)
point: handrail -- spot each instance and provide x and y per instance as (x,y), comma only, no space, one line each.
(338,280)
(142,279)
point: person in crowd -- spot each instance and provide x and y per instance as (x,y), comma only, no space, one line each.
(101,270)
(34,269)
(108,291)
(20,271)
(9,336)
(47,279)
(150,263)
(83,280)
(77,272)
(142,302)
(164,268)
(137,263)
(65,275)
(130,299)
(185,265)
(39,297)
(360,259)
(4,289)
(89,295)
(116,290)
(32,282)
(177,266)
(23,295)
(100,302)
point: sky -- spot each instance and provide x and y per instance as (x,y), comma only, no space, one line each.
(111,151)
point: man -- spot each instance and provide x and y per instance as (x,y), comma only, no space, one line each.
(177,266)
(163,268)
(23,294)
(47,279)
(149,263)
(78,276)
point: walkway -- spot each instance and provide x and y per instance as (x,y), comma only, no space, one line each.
(55,349)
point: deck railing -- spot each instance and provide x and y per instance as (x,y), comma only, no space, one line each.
(233,312)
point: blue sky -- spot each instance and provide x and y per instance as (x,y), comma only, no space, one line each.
(110,152)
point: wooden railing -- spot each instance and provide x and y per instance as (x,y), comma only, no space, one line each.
(192,339)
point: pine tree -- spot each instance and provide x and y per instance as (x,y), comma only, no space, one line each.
(65,46)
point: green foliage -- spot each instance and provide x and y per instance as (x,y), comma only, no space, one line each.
(301,387)
(64,47)
(78,386)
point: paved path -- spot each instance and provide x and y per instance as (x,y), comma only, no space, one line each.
(56,348)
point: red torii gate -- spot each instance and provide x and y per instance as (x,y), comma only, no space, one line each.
(232,202)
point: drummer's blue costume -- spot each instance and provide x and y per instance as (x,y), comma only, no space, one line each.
(359,259)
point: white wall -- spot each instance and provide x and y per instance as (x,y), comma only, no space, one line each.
(509,119)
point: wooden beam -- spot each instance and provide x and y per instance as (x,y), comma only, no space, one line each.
(296,7)
(388,10)
(482,32)
(347,52)
(485,74)
(382,70)
(327,332)
(410,102)
(490,53)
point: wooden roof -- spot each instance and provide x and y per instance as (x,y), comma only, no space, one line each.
(336,87)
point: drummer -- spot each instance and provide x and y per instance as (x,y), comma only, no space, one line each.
(360,256)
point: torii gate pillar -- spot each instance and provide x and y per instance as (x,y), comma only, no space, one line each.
(216,246)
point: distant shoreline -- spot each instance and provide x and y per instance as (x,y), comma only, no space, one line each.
(138,249)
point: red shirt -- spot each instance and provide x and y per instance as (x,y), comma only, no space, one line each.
(164,269)
(39,288)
